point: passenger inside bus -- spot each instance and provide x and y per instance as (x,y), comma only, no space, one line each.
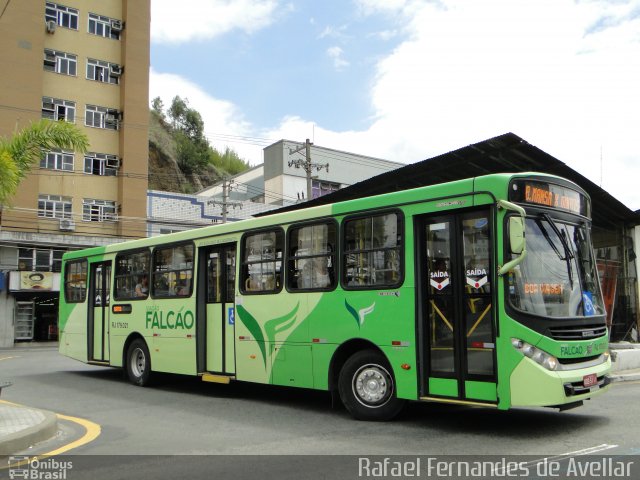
(142,288)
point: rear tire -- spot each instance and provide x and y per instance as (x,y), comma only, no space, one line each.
(138,363)
(367,387)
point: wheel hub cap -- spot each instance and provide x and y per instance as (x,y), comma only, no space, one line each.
(371,385)
(138,362)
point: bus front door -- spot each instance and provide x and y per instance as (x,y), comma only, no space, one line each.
(98,312)
(455,319)
(220,287)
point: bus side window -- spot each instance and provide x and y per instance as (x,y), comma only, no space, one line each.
(262,261)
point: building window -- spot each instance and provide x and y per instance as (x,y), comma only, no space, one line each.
(104,26)
(64,16)
(60,62)
(101,117)
(99,210)
(173,271)
(311,260)
(54,206)
(75,281)
(372,251)
(58,109)
(103,71)
(132,275)
(262,262)
(39,259)
(319,189)
(101,164)
(57,160)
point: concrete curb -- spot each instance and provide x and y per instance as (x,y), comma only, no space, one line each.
(630,376)
(23,439)
(625,359)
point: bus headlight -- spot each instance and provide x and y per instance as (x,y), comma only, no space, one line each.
(539,356)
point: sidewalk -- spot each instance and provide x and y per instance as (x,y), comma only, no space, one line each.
(21,427)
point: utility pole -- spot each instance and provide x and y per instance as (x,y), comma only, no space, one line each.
(306,164)
(227,186)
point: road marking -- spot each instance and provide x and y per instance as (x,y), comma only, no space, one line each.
(563,456)
(7,358)
(92,432)
(584,451)
(588,451)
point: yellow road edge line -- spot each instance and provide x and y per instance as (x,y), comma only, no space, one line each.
(93,431)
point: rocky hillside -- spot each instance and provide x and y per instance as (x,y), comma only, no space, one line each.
(180,157)
(164,172)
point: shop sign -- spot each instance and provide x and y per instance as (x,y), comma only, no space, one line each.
(34,281)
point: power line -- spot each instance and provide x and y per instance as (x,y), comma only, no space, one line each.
(5,8)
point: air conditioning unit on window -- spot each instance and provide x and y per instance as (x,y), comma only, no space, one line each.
(116,25)
(67,225)
(113,162)
(51,26)
(115,70)
(111,117)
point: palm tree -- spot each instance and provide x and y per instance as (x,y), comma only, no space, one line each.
(19,152)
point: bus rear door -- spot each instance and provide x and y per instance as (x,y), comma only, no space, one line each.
(98,312)
(220,288)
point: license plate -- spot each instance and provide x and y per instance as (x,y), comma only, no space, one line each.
(590,380)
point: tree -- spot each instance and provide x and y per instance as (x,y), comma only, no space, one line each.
(177,111)
(19,152)
(158,107)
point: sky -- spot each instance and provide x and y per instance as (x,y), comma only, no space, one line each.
(406,80)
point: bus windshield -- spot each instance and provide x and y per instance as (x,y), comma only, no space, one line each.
(558,277)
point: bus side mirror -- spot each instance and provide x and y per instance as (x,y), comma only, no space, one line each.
(516,235)
(517,241)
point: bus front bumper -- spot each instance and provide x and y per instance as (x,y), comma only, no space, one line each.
(533,385)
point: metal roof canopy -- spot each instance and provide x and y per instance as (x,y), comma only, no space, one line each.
(506,153)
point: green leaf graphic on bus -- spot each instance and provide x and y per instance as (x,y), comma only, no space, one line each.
(360,314)
(271,327)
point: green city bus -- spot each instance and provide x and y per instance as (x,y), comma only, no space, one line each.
(482,291)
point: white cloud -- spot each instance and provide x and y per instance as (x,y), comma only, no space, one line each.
(334,32)
(188,20)
(562,75)
(223,123)
(336,54)
(369,7)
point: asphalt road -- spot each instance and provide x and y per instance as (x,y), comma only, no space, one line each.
(183,416)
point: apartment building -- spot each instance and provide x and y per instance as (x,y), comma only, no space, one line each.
(86,62)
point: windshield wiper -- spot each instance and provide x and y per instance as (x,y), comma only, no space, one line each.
(548,239)
(568,255)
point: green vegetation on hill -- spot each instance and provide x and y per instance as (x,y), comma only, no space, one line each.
(180,156)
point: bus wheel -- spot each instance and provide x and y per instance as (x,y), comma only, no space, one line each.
(138,363)
(367,388)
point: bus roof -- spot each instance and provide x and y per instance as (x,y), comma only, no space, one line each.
(458,187)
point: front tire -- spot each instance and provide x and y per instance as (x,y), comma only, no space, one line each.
(138,363)
(367,387)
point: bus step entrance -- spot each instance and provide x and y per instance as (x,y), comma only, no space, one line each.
(210,377)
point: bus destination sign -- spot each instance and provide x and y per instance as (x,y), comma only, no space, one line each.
(549,195)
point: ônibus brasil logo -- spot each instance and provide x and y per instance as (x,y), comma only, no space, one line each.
(35,469)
